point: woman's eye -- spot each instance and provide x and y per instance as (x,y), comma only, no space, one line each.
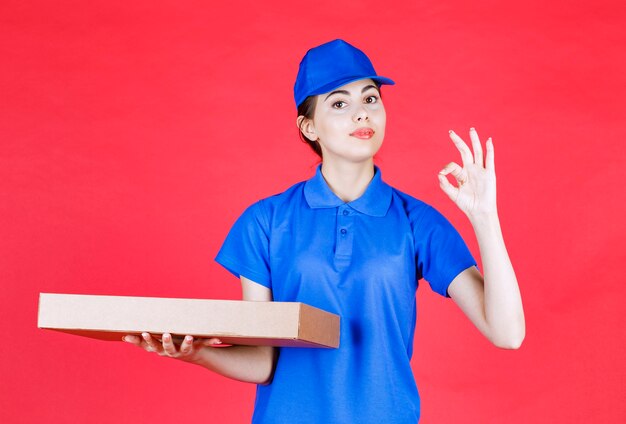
(371,99)
(339,104)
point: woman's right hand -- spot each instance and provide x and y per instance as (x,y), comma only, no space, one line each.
(188,350)
(252,364)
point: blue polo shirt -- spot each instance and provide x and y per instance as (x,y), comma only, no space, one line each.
(361,260)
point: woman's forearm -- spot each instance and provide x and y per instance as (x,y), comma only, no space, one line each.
(502,300)
(252,364)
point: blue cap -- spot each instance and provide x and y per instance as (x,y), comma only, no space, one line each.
(330,66)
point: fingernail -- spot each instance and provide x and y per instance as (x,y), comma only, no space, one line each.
(188,339)
(450,131)
(124,339)
(472,129)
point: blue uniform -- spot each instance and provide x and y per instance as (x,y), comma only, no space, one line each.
(361,260)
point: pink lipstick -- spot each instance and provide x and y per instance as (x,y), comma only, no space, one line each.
(363,133)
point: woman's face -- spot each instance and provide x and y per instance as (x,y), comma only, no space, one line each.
(349,122)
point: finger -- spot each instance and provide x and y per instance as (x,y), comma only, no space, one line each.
(490,163)
(478,149)
(466,154)
(150,343)
(448,188)
(131,338)
(168,345)
(456,171)
(186,347)
(213,341)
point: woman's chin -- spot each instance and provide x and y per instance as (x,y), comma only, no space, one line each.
(356,154)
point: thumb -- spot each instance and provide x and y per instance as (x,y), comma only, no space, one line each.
(447,188)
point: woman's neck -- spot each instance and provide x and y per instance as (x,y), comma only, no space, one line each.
(348,180)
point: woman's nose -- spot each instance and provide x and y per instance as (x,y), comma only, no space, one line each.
(360,115)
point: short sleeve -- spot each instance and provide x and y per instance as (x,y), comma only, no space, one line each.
(441,253)
(245,251)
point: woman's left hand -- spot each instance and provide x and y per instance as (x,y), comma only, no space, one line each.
(475,192)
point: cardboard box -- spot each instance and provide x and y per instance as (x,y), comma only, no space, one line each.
(234,322)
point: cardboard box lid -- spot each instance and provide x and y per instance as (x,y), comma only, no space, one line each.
(291,324)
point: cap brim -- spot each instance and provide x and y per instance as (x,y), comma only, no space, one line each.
(339,83)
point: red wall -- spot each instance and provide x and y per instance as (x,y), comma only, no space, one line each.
(132,134)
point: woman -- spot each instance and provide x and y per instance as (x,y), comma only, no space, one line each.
(347,242)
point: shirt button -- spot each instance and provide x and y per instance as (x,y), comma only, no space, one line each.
(344,231)
(345,212)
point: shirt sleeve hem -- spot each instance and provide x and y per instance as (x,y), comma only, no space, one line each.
(453,274)
(238,270)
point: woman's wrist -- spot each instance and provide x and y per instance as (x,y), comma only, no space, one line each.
(484,219)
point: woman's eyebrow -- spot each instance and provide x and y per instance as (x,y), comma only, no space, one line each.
(367,87)
(337,92)
(363,90)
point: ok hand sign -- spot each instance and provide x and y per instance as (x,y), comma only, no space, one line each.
(475,192)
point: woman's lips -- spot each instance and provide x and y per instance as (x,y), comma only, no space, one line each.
(363,133)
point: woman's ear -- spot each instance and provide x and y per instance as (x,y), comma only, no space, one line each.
(306,127)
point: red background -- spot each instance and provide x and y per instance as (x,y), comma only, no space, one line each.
(132,134)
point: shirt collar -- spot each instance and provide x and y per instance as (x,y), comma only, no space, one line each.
(375,201)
